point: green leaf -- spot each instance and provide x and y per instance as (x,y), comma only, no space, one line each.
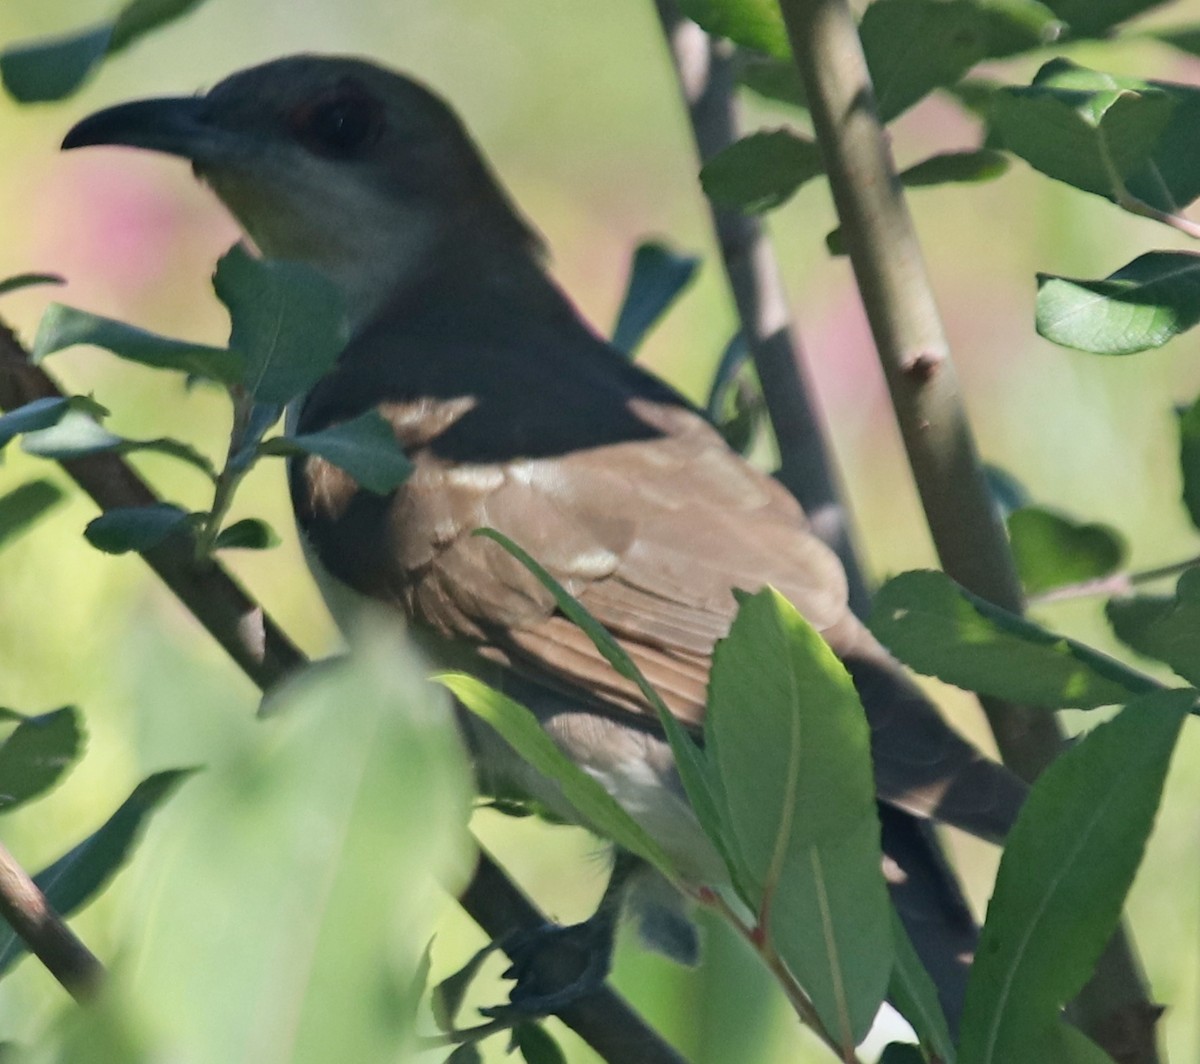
(902,1053)
(85,870)
(518,727)
(536,1044)
(1143,305)
(939,629)
(467,1053)
(247,534)
(791,745)
(1161,627)
(44,413)
(446,998)
(365,447)
(1052,550)
(657,277)
(1185,38)
(136,528)
(982,164)
(27,280)
(25,505)
(1189,459)
(62,327)
(1112,136)
(1094,18)
(690,761)
(53,69)
(915,996)
(753,24)
(37,754)
(288,323)
(773,79)
(761,171)
(313,857)
(1067,866)
(914,46)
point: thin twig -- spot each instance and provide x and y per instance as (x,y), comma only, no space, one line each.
(266,655)
(915,355)
(46,934)
(1114,584)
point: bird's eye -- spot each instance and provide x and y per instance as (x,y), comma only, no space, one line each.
(341,125)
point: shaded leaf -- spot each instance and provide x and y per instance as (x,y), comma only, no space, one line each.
(1162,627)
(690,762)
(1185,38)
(761,171)
(982,164)
(939,629)
(365,447)
(657,277)
(913,46)
(902,1053)
(915,996)
(52,69)
(27,280)
(446,998)
(1093,18)
(62,327)
(773,79)
(44,413)
(1007,492)
(1067,866)
(136,528)
(536,1044)
(24,505)
(85,870)
(288,323)
(518,727)
(1112,136)
(247,534)
(37,754)
(467,1053)
(790,742)
(314,855)
(1143,305)
(1189,459)
(1051,550)
(754,24)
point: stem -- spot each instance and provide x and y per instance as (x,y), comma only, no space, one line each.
(229,478)
(1114,583)
(46,934)
(913,350)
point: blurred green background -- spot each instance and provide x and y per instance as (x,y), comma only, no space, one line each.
(577,107)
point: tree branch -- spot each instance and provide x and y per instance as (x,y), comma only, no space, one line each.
(915,355)
(46,934)
(266,655)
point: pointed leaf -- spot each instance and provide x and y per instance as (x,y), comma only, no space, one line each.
(755,24)
(791,743)
(365,447)
(1143,305)
(1094,18)
(52,69)
(37,754)
(1067,866)
(288,323)
(84,871)
(915,996)
(1167,629)
(1052,550)
(982,164)
(536,1044)
(446,998)
(136,528)
(519,728)
(1189,459)
(761,171)
(28,280)
(44,413)
(247,534)
(24,505)
(62,327)
(939,629)
(657,277)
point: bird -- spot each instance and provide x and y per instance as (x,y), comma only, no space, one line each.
(517,415)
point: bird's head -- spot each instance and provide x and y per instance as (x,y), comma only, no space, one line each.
(358,171)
